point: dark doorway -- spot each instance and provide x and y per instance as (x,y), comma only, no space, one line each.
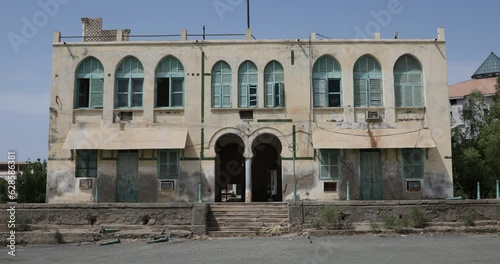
(229,169)
(371,175)
(266,169)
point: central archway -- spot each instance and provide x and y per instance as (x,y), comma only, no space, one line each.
(266,169)
(229,169)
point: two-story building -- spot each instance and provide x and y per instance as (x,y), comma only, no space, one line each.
(247,120)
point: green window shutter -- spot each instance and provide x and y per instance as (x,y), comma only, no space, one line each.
(319,86)
(243,91)
(329,167)
(397,91)
(413,163)
(376,95)
(216,95)
(177,97)
(418,96)
(168,164)
(281,96)
(269,95)
(226,95)
(96,93)
(86,163)
(360,93)
(407,95)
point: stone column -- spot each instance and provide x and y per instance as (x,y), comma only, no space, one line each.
(248,179)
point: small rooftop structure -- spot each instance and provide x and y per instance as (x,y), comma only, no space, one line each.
(92,32)
(489,68)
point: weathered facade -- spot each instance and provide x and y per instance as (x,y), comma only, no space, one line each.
(249,120)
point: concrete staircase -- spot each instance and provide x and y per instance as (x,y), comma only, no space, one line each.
(245,219)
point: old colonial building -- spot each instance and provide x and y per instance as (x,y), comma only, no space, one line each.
(247,120)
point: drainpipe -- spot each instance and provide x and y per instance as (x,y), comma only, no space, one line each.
(202,146)
(348,195)
(294,156)
(478,191)
(97,194)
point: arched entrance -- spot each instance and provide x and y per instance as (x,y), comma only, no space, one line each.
(229,169)
(266,169)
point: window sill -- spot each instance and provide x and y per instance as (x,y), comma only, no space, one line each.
(406,108)
(249,109)
(88,109)
(367,108)
(128,109)
(328,109)
(161,109)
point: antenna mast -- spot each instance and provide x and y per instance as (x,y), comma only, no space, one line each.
(248,13)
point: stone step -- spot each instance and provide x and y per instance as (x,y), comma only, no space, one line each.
(233,233)
(243,228)
(248,223)
(242,209)
(246,215)
(248,219)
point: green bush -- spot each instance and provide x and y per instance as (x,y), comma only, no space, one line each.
(3,191)
(32,182)
(330,217)
(374,227)
(468,218)
(418,219)
(388,219)
(59,237)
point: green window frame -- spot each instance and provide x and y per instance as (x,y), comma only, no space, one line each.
(248,79)
(168,164)
(274,85)
(129,84)
(86,163)
(413,163)
(89,84)
(368,88)
(221,85)
(329,164)
(408,82)
(169,90)
(327,82)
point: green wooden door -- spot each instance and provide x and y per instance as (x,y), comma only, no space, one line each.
(371,175)
(127,180)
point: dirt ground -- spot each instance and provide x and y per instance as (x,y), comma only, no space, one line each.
(428,248)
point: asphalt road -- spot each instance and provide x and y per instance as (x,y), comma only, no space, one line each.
(454,249)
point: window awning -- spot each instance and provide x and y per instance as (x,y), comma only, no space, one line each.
(372,139)
(135,138)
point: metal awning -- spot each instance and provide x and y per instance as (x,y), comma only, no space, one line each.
(372,139)
(133,138)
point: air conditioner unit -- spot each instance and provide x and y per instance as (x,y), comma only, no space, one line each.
(123,117)
(167,185)
(372,116)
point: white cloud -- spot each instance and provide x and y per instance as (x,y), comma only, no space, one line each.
(25,103)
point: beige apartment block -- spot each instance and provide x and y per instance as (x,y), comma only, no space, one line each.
(247,120)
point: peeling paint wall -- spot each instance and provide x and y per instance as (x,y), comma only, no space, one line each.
(197,163)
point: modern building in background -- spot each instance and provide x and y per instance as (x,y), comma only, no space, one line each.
(247,120)
(484,81)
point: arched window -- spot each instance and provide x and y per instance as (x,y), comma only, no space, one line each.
(170,83)
(221,85)
(247,84)
(89,84)
(327,85)
(129,83)
(274,83)
(408,84)
(367,82)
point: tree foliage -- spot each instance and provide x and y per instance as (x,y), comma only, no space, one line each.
(477,147)
(31,183)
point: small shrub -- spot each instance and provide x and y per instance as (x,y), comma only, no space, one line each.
(330,217)
(374,227)
(418,219)
(317,225)
(388,219)
(468,218)
(401,226)
(59,237)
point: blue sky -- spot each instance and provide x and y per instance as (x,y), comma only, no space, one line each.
(471,31)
